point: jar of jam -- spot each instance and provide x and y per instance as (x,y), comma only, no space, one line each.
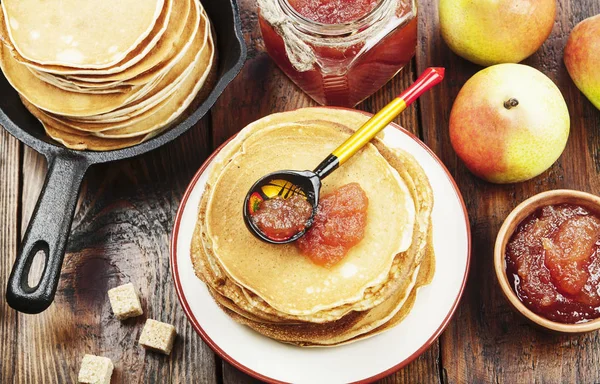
(339,51)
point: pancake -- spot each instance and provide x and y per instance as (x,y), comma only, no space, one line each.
(86,84)
(56,100)
(222,285)
(91,101)
(71,138)
(249,301)
(425,276)
(184,93)
(180,30)
(290,329)
(394,282)
(140,131)
(242,284)
(60,82)
(133,57)
(180,27)
(81,34)
(354,327)
(279,274)
(322,330)
(396,307)
(194,50)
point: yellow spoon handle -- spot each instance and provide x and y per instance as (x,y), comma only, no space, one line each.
(369,130)
(429,78)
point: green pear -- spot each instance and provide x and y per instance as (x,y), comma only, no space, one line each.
(582,58)
(509,123)
(489,32)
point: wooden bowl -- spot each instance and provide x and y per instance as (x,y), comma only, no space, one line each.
(524,209)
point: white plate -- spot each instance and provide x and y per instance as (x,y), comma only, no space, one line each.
(365,360)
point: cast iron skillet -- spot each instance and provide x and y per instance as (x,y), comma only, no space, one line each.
(50,223)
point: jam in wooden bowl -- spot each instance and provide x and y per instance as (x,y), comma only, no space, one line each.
(547,260)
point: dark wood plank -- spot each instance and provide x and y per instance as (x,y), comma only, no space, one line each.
(9,236)
(231,375)
(424,370)
(260,89)
(120,233)
(487,341)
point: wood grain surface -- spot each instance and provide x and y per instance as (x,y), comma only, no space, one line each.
(126,210)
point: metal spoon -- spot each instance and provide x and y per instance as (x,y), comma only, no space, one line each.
(287,183)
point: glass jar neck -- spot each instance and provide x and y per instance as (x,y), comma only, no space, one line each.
(309,26)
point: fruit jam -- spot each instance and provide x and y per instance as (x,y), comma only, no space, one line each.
(339,225)
(333,11)
(339,51)
(553,263)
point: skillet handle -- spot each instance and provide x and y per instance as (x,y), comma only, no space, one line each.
(47,232)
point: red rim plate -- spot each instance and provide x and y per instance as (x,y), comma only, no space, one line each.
(198,328)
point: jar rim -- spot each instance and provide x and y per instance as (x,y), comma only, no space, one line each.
(333,29)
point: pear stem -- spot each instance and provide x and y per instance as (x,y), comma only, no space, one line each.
(511,103)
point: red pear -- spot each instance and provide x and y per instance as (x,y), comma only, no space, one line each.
(582,58)
(509,123)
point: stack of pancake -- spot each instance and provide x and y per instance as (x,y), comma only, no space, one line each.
(103,75)
(276,290)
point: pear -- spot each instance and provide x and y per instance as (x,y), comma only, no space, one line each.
(582,58)
(509,123)
(489,32)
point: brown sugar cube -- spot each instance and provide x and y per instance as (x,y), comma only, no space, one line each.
(125,302)
(95,370)
(158,336)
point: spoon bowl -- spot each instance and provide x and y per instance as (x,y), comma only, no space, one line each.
(284,184)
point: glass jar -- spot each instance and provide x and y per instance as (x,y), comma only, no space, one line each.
(340,64)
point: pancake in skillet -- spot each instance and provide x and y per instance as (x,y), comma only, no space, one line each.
(178,31)
(131,58)
(112,105)
(66,31)
(142,129)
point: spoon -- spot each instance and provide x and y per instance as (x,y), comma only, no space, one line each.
(307,184)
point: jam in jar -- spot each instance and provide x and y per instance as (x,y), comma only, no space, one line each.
(339,51)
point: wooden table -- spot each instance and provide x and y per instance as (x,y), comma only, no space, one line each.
(125,215)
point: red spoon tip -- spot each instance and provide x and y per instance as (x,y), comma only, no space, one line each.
(439,70)
(435,73)
(429,78)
